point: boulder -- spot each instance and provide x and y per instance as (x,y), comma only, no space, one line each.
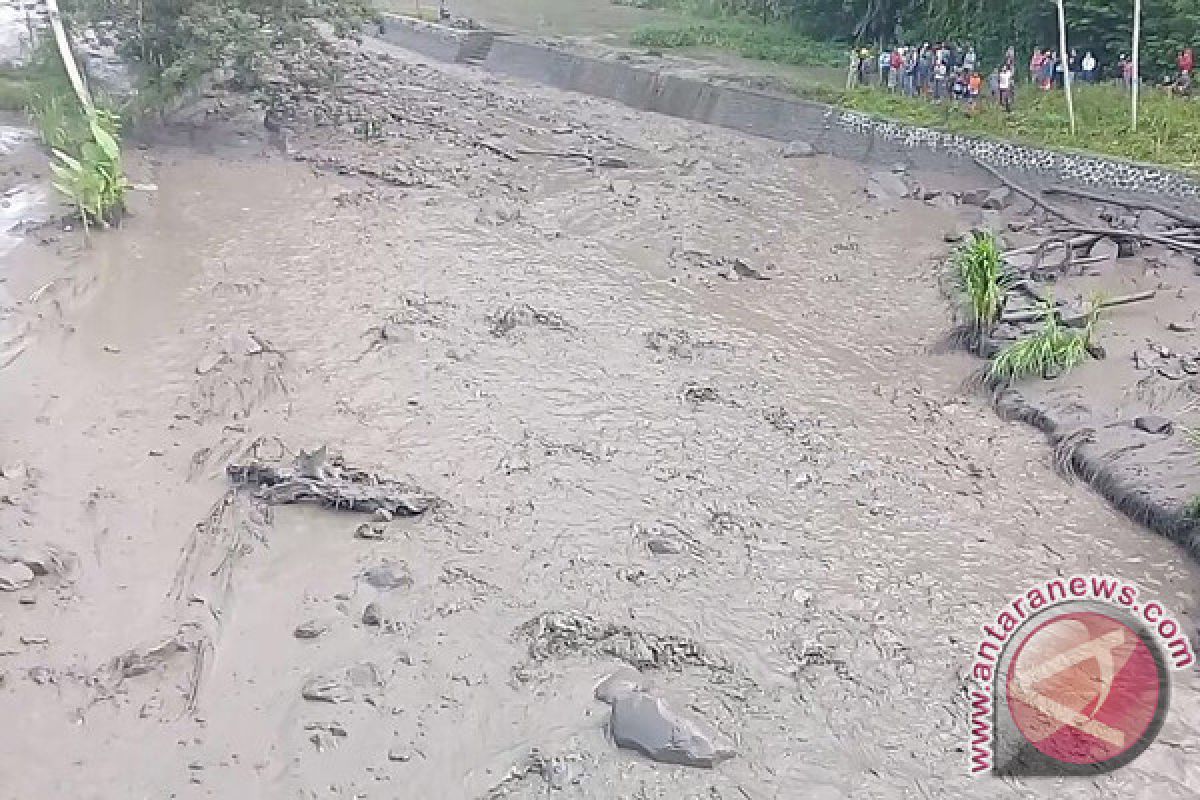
(1105,248)
(646,723)
(1151,423)
(886,186)
(799,149)
(975,197)
(998,199)
(1150,221)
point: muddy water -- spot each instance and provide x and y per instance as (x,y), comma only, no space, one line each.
(843,516)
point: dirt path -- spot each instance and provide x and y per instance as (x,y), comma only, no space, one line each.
(775,473)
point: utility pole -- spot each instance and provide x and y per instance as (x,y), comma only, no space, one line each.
(1065,62)
(1135,84)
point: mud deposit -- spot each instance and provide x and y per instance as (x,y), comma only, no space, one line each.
(764,495)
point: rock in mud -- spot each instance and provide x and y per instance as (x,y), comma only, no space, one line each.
(998,199)
(646,723)
(371,530)
(325,689)
(1105,248)
(886,186)
(799,149)
(665,546)
(1153,424)
(42,559)
(15,576)
(208,362)
(975,197)
(310,629)
(388,576)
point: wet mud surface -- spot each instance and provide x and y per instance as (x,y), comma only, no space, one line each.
(765,496)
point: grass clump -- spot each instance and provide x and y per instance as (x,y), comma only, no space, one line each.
(1168,127)
(745,37)
(1053,350)
(979,274)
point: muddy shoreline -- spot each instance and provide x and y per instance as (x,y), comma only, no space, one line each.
(680,416)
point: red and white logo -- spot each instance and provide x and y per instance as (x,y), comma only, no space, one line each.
(1084,688)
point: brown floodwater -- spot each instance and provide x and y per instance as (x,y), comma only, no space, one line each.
(843,515)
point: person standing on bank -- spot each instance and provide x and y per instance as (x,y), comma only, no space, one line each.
(1004,82)
(1089,67)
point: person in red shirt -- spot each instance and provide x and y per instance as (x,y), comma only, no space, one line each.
(1185,60)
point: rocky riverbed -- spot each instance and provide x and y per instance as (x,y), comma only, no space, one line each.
(668,400)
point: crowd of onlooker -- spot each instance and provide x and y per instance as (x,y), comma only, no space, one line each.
(945,71)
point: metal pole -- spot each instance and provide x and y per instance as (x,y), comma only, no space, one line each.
(1137,44)
(1065,61)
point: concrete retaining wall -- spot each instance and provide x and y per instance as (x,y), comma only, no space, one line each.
(439,42)
(832,130)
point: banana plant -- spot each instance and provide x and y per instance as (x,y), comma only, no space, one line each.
(95,181)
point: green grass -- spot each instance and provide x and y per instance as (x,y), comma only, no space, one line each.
(747,38)
(1054,347)
(979,271)
(14,90)
(1168,130)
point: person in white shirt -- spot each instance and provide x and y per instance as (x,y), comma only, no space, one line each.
(1004,82)
(1089,67)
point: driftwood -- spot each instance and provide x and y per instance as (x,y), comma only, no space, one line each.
(1186,219)
(497,149)
(1077,241)
(1034,198)
(1034,314)
(597,160)
(1165,241)
(315,478)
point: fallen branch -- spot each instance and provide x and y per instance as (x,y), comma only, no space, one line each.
(1021,190)
(1078,241)
(1035,314)
(497,149)
(1186,219)
(1166,241)
(598,161)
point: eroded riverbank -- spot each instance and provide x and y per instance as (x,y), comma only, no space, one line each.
(839,517)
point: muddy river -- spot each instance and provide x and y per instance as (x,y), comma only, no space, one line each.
(772,487)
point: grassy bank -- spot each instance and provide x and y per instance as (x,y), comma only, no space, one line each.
(747,38)
(14,90)
(1168,128)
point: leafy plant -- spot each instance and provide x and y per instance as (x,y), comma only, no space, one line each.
(979,271)
(1055,349)
(94,180)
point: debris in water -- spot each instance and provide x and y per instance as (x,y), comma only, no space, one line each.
(314,477)
(325,689)
(371,530)
(388,576)
(310,629)
(524,315)
(562,633)
(15,576)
